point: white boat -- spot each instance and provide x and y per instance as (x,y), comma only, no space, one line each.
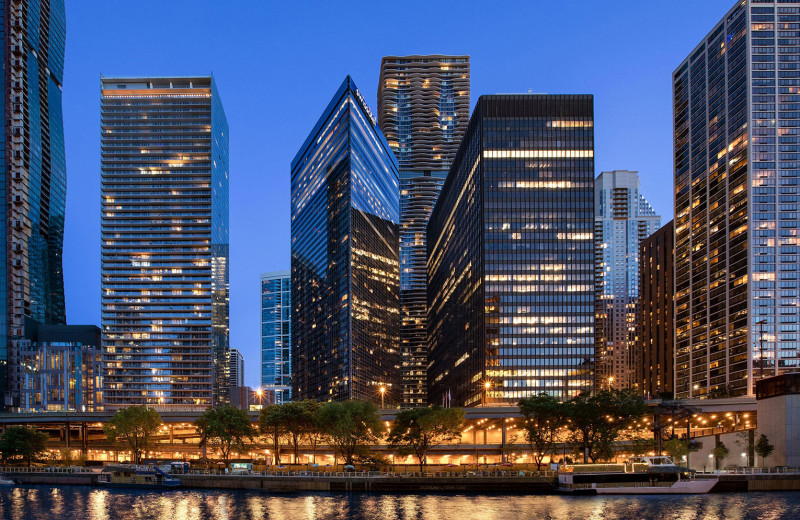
(639,476)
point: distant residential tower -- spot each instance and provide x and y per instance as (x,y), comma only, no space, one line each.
(276,336)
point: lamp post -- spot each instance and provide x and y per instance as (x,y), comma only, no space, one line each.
(383,393)
(486,386)
(259,393)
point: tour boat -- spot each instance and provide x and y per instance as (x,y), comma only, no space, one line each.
(131,476)
(640,476)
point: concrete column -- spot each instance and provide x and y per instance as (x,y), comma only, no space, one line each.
(503,441)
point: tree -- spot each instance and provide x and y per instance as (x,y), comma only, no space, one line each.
(226,429)
(677,449)
(298,419)
(419,429)
(24,442)
(134,427)
(596,421)
(350,427)
(720,452)
(273,426)
(763,449)
(544,420)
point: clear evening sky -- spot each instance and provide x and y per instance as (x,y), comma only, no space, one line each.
(277,63)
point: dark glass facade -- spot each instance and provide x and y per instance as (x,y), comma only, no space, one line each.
(655,330)
(737,168)
(34,172)
(423,110)
(164,255)
(511,255)
(345,269)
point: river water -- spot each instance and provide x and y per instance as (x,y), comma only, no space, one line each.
(74,502)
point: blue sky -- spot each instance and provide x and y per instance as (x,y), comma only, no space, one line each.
(277,63)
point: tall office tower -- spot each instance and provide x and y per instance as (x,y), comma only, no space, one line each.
(622,219)
(34,173)
(423,110)
(737,132)
(276,336)
(511,255)
(235,368)
(345,271)
(164,159)
(656,324)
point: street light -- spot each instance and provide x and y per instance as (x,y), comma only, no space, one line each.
(486,386)
(259,393)
(383,393)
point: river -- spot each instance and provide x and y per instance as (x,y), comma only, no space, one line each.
(74,502)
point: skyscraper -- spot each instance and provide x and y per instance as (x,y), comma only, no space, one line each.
(235,368)
(345,273)
(622,219)
(656,327)
(511,256)
(34,173)
(737,133)
(423,110)
(276,336)
(164,159)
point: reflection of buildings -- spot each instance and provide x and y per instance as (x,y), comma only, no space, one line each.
(344,287)
(736,158)
(511,257)
(656,324)
(165,242)
(33,173)
(423,110)
(57,368)
(490,435)
(276,336)
(623,218)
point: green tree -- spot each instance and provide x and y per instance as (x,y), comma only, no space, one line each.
(350,427)
(272,424)
(298,421)
(677,449)
(134,427)
(419,429)
(642,446)
(544,421)
(720,452)
(24,442)
(763,449)
(226,429)
(597,420)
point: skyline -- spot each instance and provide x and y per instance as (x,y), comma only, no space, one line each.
(291,84)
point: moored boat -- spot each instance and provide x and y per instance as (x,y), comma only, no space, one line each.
(132,476)
(639,476)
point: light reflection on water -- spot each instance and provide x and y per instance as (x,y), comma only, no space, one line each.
(67,502)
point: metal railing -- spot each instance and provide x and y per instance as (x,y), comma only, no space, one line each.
(549,475)
(779,470)
(48,469)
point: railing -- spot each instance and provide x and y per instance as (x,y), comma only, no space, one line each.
(780,470)
(547,475)
(48,469)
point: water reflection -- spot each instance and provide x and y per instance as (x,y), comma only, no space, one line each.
(56,503)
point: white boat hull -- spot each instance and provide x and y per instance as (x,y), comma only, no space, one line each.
(681,487)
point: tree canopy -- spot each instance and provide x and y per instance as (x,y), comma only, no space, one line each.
(763,448)
(419,429)
(134,427)
(350,427)
(272,424)
(544,421)
(24,442)
(226,429)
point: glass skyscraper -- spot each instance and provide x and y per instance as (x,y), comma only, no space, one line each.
(34,173)
(276,335)
(622,219)
(737,167)
(511,255)
(345,272)
(164,160)
(423,110)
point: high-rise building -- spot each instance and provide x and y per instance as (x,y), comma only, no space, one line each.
(423,110)
(622,219)
(235,368)
(511,255)
(656,323)
(34,172)
(276,336)
(345,272)
(737,133)
(164,160)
